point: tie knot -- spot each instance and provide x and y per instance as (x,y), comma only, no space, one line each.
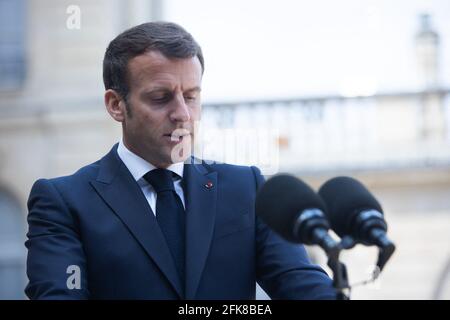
(160,179)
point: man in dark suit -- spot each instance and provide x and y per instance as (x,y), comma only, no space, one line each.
(147,221)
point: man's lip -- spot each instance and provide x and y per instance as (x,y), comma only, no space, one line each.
(178,134)
(177,138)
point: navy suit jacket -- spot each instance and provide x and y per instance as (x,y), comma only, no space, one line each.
(99,220)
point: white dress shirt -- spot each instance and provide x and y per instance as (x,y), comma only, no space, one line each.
(139,167)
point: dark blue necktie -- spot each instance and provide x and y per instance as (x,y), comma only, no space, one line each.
(170,215)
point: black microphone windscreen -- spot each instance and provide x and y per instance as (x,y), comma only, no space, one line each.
(345,198)
(281,199)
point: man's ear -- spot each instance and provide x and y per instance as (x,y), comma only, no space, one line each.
(115,105)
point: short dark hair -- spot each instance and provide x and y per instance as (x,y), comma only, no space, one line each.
(166,37)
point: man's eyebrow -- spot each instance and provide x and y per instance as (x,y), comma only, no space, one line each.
(197,89)
(160,89)
(156,89)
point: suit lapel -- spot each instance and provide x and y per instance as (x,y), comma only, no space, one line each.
(200,187)
(120,191)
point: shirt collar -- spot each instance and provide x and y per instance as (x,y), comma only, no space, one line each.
(139,167)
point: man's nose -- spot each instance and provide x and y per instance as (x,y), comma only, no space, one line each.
(180,112)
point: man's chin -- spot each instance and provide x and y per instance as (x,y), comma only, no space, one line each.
(181,151)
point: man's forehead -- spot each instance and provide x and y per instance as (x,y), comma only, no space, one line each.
(154,65)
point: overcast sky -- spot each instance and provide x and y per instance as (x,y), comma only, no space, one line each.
(286,48)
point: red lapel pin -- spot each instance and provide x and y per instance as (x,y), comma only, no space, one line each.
(209,185)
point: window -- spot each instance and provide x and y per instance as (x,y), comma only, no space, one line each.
(12,249)
(12,44)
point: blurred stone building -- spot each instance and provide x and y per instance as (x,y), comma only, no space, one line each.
(52,118)
(52,121)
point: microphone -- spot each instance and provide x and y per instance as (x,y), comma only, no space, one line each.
(293,210)
(354,212)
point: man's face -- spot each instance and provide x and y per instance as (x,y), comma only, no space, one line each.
(164,103)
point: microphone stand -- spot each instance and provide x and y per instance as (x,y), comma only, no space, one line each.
(340,276)
(333,250)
